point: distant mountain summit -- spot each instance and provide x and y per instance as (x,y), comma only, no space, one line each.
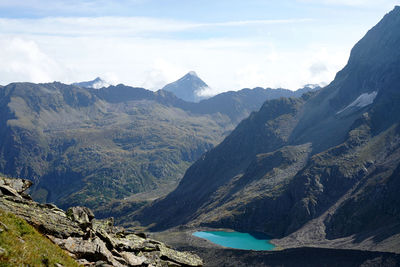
(95,84)
(188,87)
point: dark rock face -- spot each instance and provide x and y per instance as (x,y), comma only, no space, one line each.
(92,241)
(321,167)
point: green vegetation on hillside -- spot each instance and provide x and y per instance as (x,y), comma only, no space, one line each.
(22,245)
(94,147)
(80,149)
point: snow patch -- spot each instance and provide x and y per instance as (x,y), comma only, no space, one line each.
(361,101)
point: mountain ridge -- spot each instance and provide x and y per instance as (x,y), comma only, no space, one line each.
(92,146)
(333,160)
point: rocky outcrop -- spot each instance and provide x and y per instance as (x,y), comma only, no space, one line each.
(19,185)
(81,215)
(91,241)
(14,187)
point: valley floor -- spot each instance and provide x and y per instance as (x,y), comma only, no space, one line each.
(287,253)
(382,240)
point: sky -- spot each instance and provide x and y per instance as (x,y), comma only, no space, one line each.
(230,44)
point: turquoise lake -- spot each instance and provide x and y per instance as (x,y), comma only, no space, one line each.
(236,240)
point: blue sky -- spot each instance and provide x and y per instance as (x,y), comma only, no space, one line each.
(230,44)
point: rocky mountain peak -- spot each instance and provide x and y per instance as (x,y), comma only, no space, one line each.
(188,87)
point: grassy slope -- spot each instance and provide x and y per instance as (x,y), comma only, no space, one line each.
(22,245)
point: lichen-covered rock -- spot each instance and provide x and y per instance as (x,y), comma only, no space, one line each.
(131,242)
(47,221)
(132,259)
(104,224)
(94,249)
(9,191)
(184,258)
(19,185)
(82,215)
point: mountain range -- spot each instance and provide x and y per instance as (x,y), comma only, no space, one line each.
(319,170)
(84,145)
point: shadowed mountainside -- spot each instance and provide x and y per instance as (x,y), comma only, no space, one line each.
(313,169)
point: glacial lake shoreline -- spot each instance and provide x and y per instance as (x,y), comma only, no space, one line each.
(182,239)
(237,240)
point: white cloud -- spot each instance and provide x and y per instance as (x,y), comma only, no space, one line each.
(125,50)
(205,92)
(160,72)
(23,60)
(224,64)
(318,68)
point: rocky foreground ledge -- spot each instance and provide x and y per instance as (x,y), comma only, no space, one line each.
(90,241)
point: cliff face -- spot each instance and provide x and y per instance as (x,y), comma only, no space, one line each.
(322,167)
(88,240)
